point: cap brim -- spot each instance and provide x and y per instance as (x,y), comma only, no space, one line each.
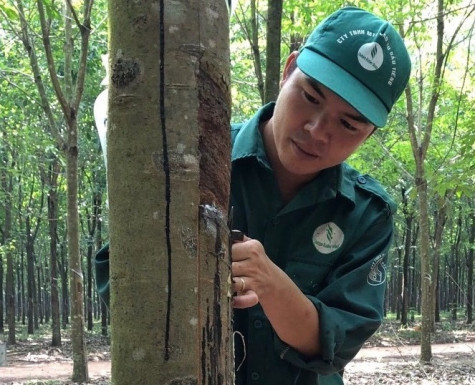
(344,85)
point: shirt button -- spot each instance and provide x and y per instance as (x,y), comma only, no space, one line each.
(361,179)
(258,324)
(255,376)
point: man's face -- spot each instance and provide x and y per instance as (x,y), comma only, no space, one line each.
(313,128)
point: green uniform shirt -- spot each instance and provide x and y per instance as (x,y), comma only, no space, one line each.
(331,239)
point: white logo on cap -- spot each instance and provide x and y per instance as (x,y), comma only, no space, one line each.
(327,238)
(370,56)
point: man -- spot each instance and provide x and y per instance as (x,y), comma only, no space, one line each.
(310,271)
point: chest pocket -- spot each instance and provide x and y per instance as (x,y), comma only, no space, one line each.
(308,276)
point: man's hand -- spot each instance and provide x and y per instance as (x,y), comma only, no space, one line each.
(256,279)
(252,270)
(245,296)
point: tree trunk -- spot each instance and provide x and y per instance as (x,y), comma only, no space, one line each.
(6,184)
(441,217)
(92,224)
(274,27)
(64,289)
(168,193)
(38,294)
(52,180)
(254,40)
(470,252)
(76,289)
(21,281)
(408,215)
(30,275)
(10,296)
(454,274)
(426,274)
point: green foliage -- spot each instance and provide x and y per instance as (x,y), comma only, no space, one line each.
(7,10)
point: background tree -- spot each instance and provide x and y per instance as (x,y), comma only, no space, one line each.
(273,47)
(470,252)
(6,183)
(68,95)
(420,131)
(50,178)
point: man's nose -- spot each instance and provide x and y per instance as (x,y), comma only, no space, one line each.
(319,127)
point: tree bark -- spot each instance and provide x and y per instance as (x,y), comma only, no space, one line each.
(6,184)
(31,231)
(168,175)
(64,289)
(274,27)
(76,281)
(470,252)
(441,217)
(92,225)
(409,217)
(53,233)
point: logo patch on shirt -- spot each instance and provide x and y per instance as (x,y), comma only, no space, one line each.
(377,274)
(327,238)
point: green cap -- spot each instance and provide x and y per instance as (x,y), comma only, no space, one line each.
(361,58)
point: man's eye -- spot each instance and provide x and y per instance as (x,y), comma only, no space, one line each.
(310,98)
(347,125)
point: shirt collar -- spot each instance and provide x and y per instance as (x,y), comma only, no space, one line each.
(248,141)
(330,183)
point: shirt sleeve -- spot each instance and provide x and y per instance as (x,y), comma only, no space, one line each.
(351,305)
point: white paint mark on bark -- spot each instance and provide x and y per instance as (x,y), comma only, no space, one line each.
(212,14)
(190,160)
(212,215)
(138,354)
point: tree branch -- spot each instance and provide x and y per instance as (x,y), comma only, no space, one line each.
(50,60)
(30,49)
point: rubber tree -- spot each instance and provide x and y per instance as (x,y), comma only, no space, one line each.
(273,41)
(422,101)
(75,18)
(168,159)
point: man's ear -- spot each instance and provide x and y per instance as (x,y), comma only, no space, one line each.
(290,66)
(372,132)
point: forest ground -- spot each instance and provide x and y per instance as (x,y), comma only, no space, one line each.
(390,357)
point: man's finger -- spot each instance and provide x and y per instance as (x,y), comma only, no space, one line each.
(245,300)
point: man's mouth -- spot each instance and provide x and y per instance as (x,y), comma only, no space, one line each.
(305,151)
